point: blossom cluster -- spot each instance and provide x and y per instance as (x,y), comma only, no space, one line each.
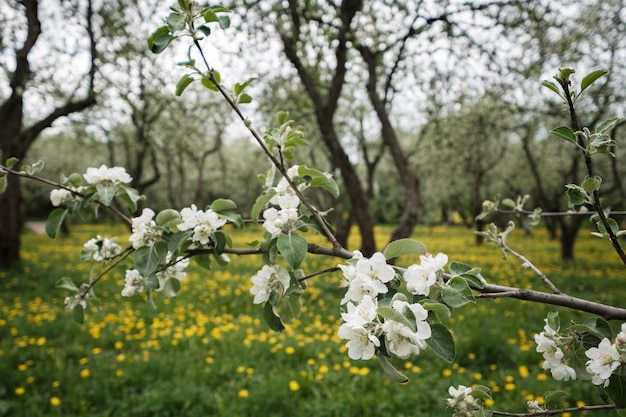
(602,362)
(282,215)
(203,223)
(105,175)
(100,249)
(144,229)
(462,402)
(404,329)
(551,345)
(268,279)
(606,358)
(135,283)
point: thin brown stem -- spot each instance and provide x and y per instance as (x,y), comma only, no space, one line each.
(556,411)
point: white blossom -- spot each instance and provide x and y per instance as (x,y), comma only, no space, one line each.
(402,341)
(101,249)
(144,229)
(462,402)
(175,271)
(419,278)
(104,175)
(361,314)
(362,342)
(133,283)
(60,196)
(603,360)
(203,223)
(375,267)
(265,281)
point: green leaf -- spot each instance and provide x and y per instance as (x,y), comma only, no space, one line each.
(293,248)
(566,133)
(607,124)
(67,283)
(244,99)
(576,194)
(617,391)
(319,179)
(203,260)
(389,313)
(442,342)
(272,319)
(222,204)
(553,320)
(106,193)
(55,219)
(441,310)
(552,398)
(130,196)
(168,217)
(456,293)
(403,247)
(221,239)
(224,22)
(183,83)
(392,373)
(551,86)
(210,16)
(3,183)
(152,282)
(171,287)
(176,22)
(481,391)
(260,203)
(209,83)
(591,184)
(591,78)
(78,314)
(160,39)
(10,163)
(148,258)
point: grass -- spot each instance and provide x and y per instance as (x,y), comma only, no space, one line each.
(207,352)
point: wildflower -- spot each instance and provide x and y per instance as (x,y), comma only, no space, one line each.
(55,401)
(293,385)
(268,279)
(361,344)
(603,360)
(104,175)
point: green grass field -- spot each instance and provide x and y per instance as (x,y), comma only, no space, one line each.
(208,353)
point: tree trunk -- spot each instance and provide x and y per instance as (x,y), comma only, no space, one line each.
(569,230)
(12,217)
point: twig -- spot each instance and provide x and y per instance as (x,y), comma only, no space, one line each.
(527,263)
(556,411)
(329,235)
(24,174)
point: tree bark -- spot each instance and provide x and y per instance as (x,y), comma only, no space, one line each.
(16,139)
(325,106)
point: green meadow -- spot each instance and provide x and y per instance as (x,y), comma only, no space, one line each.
(208,352)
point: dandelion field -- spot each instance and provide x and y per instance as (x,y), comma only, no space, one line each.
(208,352)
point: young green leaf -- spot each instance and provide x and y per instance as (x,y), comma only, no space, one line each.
(293,248)
(55,219)
(272,319)
(392,373)
(442,342)
(591,78)
(566,133)
(223,204)
(456,293)
(183,83)
(67,283)
(403,247)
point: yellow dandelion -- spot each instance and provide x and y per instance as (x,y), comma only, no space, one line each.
(509,386)
(489,402)
(56,384)
(83,361)
(96,351)
(293,385)
(19,391)
(55,401)
(446,373)
(542,377)
(523,371)
(289,350)
(119,373)
(84,373)
(119,344)
(364,371)
(243,393)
